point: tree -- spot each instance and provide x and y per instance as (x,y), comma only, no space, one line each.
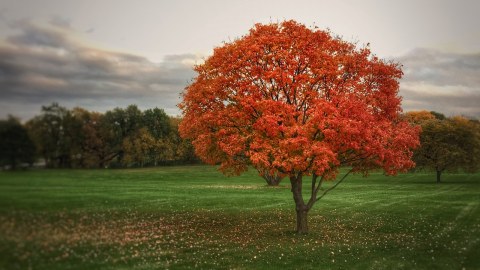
(157,122)
(73,130)
(418,117)
(16,147)
(448,144)
(139,148)
(120,137)
(272,178)
(438,115)
(300,102)
(92,138)
(177,149)
(158,125)
(116,126)
(53,133)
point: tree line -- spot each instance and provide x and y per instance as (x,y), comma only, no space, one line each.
(129,137)
(78,138)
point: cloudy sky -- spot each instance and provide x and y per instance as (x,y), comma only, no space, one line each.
(101,54)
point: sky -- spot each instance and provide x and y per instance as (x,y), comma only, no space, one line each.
(102,54)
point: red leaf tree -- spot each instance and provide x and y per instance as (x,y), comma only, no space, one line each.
(300,102)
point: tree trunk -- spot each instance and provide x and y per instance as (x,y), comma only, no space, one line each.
(300,207)
(302,225)
(439,173)
(272,180)
(13,163)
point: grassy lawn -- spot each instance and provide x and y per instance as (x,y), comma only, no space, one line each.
(193,217)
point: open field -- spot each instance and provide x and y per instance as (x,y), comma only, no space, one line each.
(193,217)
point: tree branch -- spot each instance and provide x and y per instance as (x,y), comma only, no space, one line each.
(315,189)
(314,181)
(334,186)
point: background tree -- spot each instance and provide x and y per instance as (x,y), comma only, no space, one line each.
(448,144)
(180,150)
(139,149)
(418,117)
(92,137)
(117,125)
(158,125)
(54,133)
(300,102)
(273,178)
(438,115)
(73,128)
(157,122)
(16,147)
(122,137)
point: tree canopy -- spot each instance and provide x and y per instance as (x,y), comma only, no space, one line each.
(300,102)
(122,137)
(447,144)
(16,147)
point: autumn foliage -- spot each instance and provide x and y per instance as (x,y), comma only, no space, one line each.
(447,144)
(297,101)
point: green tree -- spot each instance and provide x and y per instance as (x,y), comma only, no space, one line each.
(139,149)
(54,133)
(448,144)
(438,115)
(75,138)
(16,147)
(181,150)
(157,122)
(116,126)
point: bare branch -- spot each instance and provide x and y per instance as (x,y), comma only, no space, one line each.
(334,186)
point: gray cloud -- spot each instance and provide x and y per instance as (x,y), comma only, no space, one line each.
(36,36)
(43,64)
(445,82)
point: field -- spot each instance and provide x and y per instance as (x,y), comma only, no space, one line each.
(194,217)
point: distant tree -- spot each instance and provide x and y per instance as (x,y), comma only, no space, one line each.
(438,115)
(116,126)
(157,122)
(418,117)
(54,132)
(180,150)
(139,149)
(92,138)
(74,132)
(300,102)
(16,147)
(273,178)
(121,137)
(448,144)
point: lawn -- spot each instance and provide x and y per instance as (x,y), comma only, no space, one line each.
(194,217)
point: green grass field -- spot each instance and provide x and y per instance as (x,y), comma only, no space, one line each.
(194,217)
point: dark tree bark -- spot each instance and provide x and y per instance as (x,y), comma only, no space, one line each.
(300,207)
(272,180)
(302,224)
(439,173)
